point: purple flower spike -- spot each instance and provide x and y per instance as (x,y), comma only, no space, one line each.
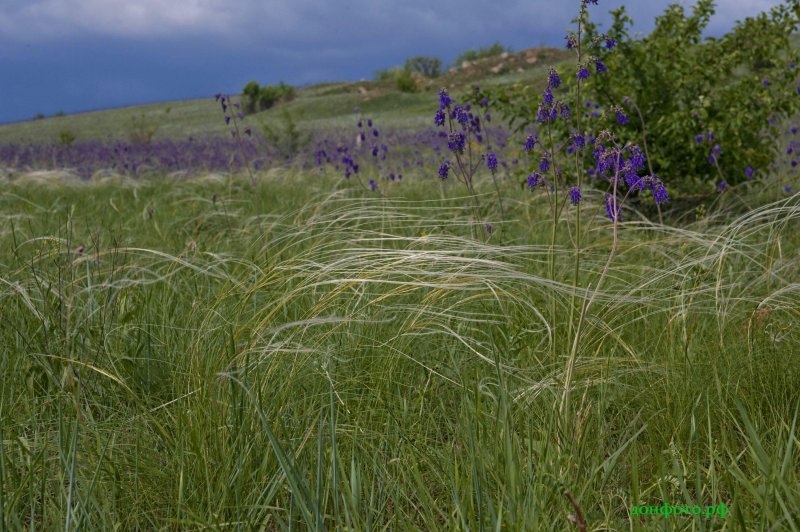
(554,81)
(491,161)
(439,118)
(544,164)
(444,99)
(443,170)
(600,67)
(621,118)
(583,73)
(575,195)
(373,185)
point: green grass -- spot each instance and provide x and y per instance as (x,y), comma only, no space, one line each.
(302,353)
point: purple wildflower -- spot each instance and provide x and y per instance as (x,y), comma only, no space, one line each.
(583,73)
(621,118)
(600,67)
(748,172)
(575,195)
(530,142)
(722,186)
(444,99)
(659,191)
(610,43)
(439,118)
(787,189)
(547,97)
(544,164)
(373,185)
(554,81)
(637,157)
(456,142)
(534,179)
(698,138)
(491,161)
(443,170)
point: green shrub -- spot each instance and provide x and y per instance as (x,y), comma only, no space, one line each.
(430,67)
(66,137)
(143,128)
(256,98)
(287,138)
(402,78)
(405,81)
(739,88)
(710,107)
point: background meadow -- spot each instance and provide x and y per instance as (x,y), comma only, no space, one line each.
(294,325)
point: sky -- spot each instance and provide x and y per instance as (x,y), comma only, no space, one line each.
(81,55)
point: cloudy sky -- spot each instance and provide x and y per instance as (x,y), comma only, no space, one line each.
(78,55)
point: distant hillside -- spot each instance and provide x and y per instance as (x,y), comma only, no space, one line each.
(321,105)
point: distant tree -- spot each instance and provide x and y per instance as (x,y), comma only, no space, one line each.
(430,67)
(256,98)
(250,97)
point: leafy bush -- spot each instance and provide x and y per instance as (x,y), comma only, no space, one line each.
(66,137)
(287,138)
(403,78)
(430,67)
(732,91)
(256,98)
(144,128)
(405,81)
(707,109)
(481,53)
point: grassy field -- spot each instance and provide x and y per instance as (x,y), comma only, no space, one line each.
(289,349)
(299,352)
